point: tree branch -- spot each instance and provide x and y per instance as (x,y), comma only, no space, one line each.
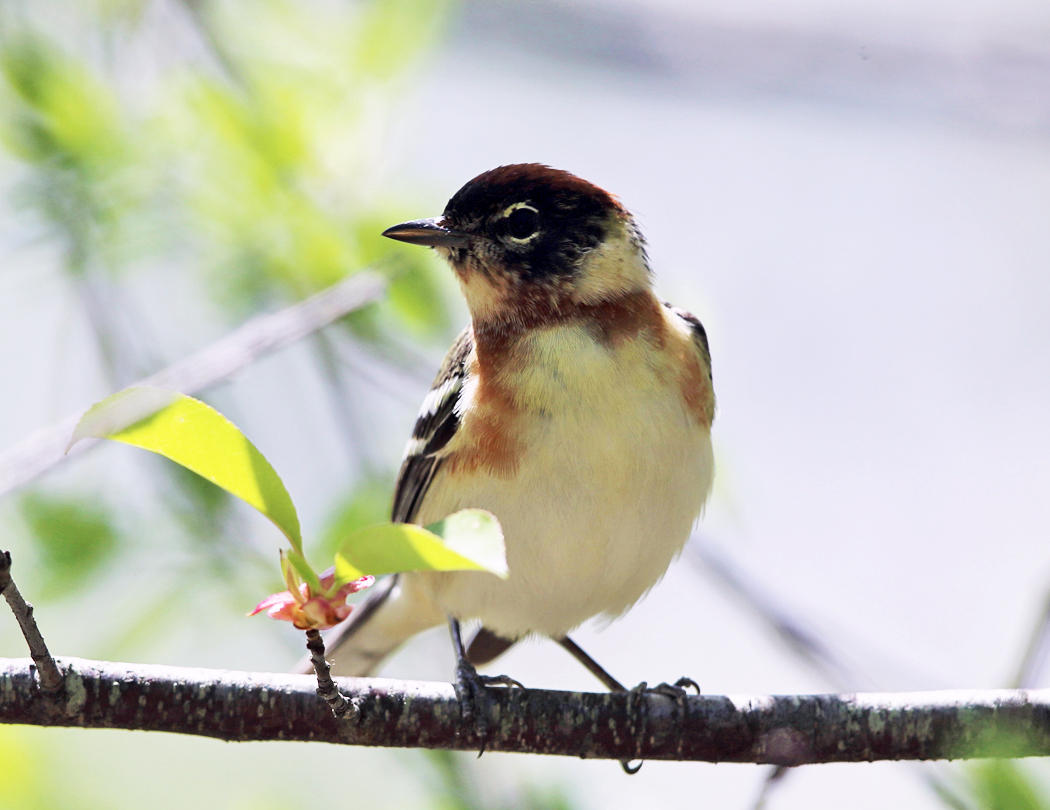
(259,336)
(785,730)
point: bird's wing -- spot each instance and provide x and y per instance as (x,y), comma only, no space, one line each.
(436,424)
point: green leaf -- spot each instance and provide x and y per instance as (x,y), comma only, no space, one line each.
(470,540)
(201,439)
(476,535)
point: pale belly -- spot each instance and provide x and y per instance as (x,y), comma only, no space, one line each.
(605,497)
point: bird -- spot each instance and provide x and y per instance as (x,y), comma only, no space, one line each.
(575,406)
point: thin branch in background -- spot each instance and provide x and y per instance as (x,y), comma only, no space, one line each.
(212,43)
(775,777)
(766,729)
(50,677)
(379,372)
(341,405)
(800,640)
(946,793)
(790,629)
(809,648)
(401,353)
(260,336)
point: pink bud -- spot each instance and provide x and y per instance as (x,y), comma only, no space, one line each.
(306,611)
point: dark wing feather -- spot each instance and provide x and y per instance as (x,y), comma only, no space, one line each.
(435,426)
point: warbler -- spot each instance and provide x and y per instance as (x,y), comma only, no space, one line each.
(576,407)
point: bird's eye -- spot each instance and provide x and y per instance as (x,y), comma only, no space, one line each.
(523,222)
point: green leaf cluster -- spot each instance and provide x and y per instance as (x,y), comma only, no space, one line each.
(252,165)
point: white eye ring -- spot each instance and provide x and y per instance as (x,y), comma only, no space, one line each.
(510,209)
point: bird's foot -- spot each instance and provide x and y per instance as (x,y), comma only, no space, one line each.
(474,701)
(677,691)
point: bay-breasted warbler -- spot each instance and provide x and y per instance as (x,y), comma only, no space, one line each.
(575,406)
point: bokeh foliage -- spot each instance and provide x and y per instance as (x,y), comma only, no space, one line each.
(255,159)
(993,784)
(243,149)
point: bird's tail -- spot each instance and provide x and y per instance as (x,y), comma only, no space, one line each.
(395,611)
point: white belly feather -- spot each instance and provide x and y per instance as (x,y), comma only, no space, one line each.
(614,472)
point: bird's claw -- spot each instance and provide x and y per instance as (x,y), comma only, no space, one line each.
(677,691)
(630,769)
(501,680)
(472,693)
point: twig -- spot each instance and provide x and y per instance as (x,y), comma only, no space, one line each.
(261,335)
(341,404)
(779,730)
(773,778)
(326,688)
(214,43)
(50,677)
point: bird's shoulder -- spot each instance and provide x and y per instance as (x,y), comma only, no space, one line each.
(695,377)
(696,332)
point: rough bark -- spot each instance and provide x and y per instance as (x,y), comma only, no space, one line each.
(785,730)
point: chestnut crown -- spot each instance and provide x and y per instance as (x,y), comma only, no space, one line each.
(525,220)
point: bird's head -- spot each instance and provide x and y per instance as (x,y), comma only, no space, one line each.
(526,238)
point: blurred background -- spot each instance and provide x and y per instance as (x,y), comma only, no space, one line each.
(854,196)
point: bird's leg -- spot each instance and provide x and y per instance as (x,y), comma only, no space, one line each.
(470,686)
(676,691)
(596,669)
